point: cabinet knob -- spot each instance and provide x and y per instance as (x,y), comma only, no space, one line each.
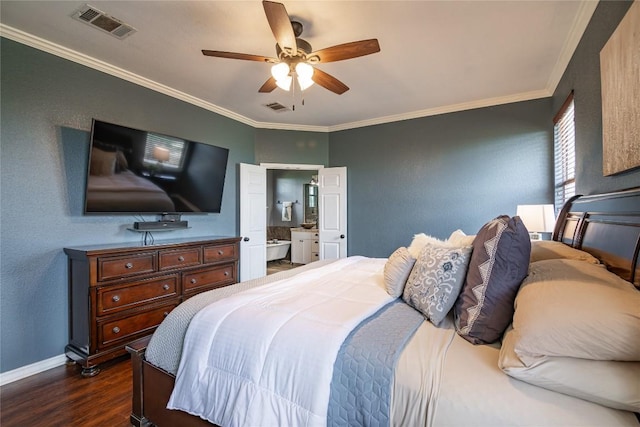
(128,265)
(116,330)
(165,287)
(220,252)
(226,273)
(115,298)
(193,281)
(165,314)
(180,258)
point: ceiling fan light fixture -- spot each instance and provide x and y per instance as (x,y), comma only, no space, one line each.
(280,71)
(284,83)
(304,72)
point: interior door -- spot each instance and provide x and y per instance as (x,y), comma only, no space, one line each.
(332,221)
(253,221)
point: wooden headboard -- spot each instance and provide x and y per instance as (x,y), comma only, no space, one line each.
(608,227)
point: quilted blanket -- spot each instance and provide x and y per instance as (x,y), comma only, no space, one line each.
(364,370)
(265,356)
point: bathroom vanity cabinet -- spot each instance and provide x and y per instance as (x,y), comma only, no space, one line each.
(305,245)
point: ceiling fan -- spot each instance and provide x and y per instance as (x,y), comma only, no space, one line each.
(295,57)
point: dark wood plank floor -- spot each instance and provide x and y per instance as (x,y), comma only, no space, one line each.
(62,397)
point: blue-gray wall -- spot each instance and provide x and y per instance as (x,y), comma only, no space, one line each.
(436,174)
(46,109)
(583,77)
(429,175)
(298,147)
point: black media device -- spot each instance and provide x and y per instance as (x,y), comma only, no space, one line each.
(132,171)
(158,225)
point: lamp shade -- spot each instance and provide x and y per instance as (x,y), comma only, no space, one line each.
(161,154)
(537,218)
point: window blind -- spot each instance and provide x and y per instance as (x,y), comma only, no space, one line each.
(564,153)
(174,145)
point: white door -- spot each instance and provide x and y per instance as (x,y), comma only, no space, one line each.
(332,224)
(253,221)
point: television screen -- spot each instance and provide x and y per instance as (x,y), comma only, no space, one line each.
(133,171)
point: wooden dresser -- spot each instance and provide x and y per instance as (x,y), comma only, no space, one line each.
(119,293)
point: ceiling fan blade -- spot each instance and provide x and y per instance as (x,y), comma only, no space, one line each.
(329,82)
(268,86)
(280,24)
(233,55)
(347,50)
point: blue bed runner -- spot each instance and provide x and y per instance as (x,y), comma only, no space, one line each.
(364,368)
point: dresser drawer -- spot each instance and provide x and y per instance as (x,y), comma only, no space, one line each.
(125,266)
(113,331)
(179,258)
(213,277)
(219,253)
(111,299)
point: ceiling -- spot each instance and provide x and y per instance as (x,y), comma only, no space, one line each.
(436,56)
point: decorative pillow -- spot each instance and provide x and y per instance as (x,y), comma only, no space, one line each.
(549,249)
(436,280)
(121,162)
(420,240)
(570,308)
(499,263)
(459,239)
(608,383)
(103,163)
(397,270)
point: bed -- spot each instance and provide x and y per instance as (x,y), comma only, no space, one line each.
(113,187)
(552,355)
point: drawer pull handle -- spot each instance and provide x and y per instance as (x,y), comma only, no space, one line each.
(165,314)
(221,252)
(115,298)
(180,258)
(165,287)
(193,281)
(116,330)
(226,273)
(128,265)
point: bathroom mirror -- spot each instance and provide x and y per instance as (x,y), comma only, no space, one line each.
(310,203)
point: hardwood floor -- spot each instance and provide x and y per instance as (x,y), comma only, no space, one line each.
(62,397)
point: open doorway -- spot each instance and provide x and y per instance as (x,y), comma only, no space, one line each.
(290,208)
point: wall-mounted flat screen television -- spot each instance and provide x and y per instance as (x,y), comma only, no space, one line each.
(133,171)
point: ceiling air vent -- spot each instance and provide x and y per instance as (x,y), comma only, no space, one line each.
(277,107)
(100,20)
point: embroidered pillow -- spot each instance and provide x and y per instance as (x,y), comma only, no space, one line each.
(499,263)
(397,270)
(436,280)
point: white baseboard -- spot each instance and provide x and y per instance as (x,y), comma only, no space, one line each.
(34,368)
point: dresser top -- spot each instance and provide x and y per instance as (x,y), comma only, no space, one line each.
(157,244)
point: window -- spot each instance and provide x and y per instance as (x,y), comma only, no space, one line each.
(564,137)
(164,152)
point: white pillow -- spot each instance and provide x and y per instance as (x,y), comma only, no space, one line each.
(460,240)
(420,241)
(457,240)
(549,249)
(570,308)
(608,383)
(397,270)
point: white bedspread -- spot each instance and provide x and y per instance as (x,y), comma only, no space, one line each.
(265,356)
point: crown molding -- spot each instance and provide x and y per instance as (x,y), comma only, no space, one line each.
(489,102)
(585,12)
(88,61)
(579,25)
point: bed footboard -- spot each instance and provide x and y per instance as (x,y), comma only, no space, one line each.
(151,390)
